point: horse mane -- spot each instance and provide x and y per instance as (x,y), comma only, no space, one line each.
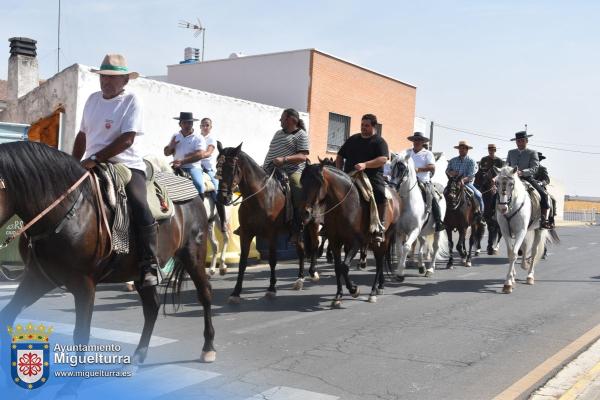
(507,173)
(41,174)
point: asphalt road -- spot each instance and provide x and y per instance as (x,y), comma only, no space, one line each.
(451,336)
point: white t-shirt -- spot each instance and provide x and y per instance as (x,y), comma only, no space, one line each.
(210,163)
(422,159)
(188,144)
(105,119)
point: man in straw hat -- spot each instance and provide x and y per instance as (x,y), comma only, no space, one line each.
(424,161)
(111,131)
(527,162)
(465,167)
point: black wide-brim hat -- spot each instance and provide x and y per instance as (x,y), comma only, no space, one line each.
(186,116)
(541,156)
(521,135)
(418,136)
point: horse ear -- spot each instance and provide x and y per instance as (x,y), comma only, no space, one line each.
(219,146)
(497,170)
(239,148)
(515,169)
(320,161)
(307,161)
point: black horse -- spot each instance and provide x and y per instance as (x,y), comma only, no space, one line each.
(484,182)
(69,246)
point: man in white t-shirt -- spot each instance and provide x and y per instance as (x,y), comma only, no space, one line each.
(111,131)
(209,162)
(424,161)
(188,149)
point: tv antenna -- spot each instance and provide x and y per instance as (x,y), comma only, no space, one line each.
(198,30)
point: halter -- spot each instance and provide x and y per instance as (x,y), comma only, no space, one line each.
(402,177)
(460,198)
(219,176)
(2,184)
(507,204)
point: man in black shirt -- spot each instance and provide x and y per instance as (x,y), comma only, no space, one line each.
(368,152)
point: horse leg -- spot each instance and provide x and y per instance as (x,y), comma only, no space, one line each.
(222,265)
(348,257)
(245,240)
(377,287)
(472,240)
(422,253)
(300,251)
(450,244)
(434,253)
(362,262)
(337,260)
(212,239)
(272,290)
(193,257)
(313,241)
(404,250)
(512,249)
(537,248)
(150,304)
(84,291)
(462,234)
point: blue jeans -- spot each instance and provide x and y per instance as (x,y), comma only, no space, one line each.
(198,179)
(477,195)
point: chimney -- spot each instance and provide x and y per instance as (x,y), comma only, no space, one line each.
(22,68)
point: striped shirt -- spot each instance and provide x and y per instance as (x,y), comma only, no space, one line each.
(464,166)
(285,145)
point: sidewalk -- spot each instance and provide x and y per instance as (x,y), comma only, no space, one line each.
(580,379)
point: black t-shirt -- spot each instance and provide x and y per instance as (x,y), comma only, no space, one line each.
(358,149)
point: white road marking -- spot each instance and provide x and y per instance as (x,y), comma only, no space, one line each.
(289,393)
(572,248)
(468,274)
(592,243)
(104,334)
(9,287)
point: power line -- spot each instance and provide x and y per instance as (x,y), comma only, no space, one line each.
(468,132)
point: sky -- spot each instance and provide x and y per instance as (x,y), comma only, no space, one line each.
(480,67)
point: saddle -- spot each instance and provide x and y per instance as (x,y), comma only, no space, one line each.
(208,185)
(282,178)
(365,189)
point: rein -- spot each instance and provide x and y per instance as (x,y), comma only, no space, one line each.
(45,211)
(339,202)
(236,202)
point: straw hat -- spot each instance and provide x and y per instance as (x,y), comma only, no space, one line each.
(115,64)
(463,143)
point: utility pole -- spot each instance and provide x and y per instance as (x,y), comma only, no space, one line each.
(58,51)
(431,136)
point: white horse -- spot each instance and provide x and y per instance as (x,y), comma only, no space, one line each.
(519,227)
(415,221)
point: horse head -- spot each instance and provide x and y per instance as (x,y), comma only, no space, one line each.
(314,189)
(454,191)
(229,172)
(399,169)
(506,180)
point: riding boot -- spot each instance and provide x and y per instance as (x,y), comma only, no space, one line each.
(379,235)
(148,240)
(544,223)
(437,215)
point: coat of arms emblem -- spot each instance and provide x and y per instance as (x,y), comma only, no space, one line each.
(30,355)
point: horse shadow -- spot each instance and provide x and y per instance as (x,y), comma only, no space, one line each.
(451,286)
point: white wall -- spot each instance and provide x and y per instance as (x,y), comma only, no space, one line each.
(234,120)
(279,79)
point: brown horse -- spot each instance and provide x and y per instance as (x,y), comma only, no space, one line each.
(484,182)
(331,194)
(68,247)
(460,216)
(262,213)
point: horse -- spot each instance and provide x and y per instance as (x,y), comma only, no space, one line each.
(460,216)
(69,245)
(484,182)
(416,222)
(517,213)
(332,195)
(262,213)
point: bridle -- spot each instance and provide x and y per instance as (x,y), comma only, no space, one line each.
(402,177)
(226,192)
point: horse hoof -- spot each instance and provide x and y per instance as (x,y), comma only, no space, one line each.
(356,292)
(477,252)
(222,271)
(449,266)
(421,270)
(530,281)
(316,277)
(130,287)
(212,271)
(234,300)
(298,285)
(270,294)
(336,304)
(507,289)
(399,278)
(139,356)
(428,273)
(468,264)
(372,299)
(379,291)
(208,356)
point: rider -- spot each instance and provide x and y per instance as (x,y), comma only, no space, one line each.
(188,149)
(465,167)
(527,162)
(490,160)
(544,179)
(424,161)
(367,151)
(289,150)
(111,131)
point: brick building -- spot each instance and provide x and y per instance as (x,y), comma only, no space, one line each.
(334,92)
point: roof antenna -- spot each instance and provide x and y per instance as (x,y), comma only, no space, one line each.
(198,28)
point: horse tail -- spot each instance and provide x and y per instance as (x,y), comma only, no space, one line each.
(540,246)
(552,237)
(443,249)
(174,281)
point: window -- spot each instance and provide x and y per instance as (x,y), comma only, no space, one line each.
(338,131)
(379,129)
